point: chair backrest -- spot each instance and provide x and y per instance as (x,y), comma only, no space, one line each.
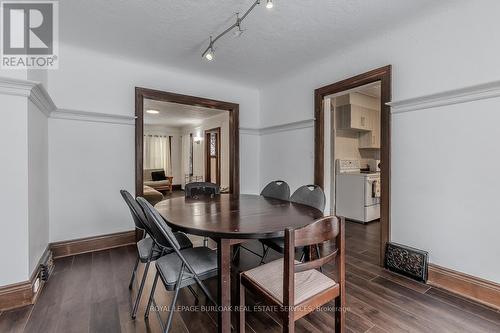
(310,195)
(277,189)
(160,232)
(197,189)
(136,210)
(325,229)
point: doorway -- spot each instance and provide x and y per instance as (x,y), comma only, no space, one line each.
(213,155)
(323,169)
(175,124)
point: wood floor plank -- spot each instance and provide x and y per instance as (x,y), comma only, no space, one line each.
(461,303)
(15,321)
(467,321)
(89,293)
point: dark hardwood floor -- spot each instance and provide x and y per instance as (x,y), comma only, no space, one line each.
(89,293)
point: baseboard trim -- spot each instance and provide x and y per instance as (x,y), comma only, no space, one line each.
(23,293)
(477,289)
(92,244)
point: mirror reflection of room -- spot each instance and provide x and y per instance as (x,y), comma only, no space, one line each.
(183,144)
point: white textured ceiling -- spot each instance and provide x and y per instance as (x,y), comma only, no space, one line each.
(174,33)
(176,115)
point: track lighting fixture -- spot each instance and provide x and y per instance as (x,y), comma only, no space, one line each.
(208,54)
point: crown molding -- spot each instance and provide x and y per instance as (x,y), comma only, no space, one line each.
(34,91)
(97,117)
(296,125)
(450,97)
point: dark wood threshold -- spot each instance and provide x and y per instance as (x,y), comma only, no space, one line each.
(91,244)
(23,293)
(468,286)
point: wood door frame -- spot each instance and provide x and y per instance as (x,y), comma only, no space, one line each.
(208,156)
(234,130)
(382,74)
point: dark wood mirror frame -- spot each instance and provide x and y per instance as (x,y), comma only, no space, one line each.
(383,75)
(234,137)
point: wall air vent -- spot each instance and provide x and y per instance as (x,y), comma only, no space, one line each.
(407,261)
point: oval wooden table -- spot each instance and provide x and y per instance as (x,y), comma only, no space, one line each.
(229,220)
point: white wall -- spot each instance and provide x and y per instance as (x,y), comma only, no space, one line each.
(23,178)
(450,48)
(90,162)
(14,184)
(38,184)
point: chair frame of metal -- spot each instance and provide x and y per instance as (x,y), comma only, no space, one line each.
(142,224)
(322,230)
(321,207)
(188,192)
(154,218)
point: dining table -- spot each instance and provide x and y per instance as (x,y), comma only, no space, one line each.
(231,219)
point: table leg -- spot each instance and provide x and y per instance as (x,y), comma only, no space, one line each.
(224,287)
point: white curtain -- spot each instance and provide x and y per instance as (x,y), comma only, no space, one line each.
(157,153)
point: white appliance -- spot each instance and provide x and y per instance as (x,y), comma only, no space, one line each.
(374,165)
(357,194)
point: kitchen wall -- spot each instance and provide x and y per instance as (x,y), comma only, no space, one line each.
(448,49)
(176,152)
(92,157)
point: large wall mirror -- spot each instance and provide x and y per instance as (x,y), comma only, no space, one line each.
(182,139)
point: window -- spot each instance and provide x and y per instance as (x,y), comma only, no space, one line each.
(213,144)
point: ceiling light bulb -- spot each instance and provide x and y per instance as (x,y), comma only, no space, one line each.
(209,55)
(269,4)
(238,32)
(153,111)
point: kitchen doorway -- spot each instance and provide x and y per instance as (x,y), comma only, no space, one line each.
(355,118)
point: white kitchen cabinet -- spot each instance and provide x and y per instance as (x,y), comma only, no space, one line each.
(354,117)
(371,139)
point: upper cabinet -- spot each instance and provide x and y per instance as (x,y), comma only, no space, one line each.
(354,117)
(371,139)
(360,113)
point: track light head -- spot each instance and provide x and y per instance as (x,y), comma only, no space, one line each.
(209,55)
(269,4)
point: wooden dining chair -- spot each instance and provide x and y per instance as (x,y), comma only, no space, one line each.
(298,288)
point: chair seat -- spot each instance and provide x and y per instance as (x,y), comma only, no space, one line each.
(270,278)
(202,259)
(145,246)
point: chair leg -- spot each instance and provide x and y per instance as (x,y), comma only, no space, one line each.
(242,309)
(318,253)
(205,290)
(265,250)
(134,273)
(195,294)
(171,311)
(174,300)
(288,322)
(303,256)
(139,294)
(151,295)
(236,252)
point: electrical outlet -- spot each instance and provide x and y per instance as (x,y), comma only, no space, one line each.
(36,285)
